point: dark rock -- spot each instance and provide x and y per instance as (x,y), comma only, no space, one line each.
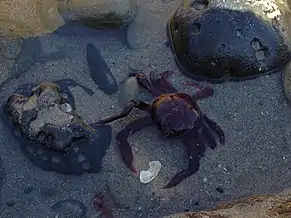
(100,72)
(220,41)
(52,138)
(220,190)
(11,203)
(69,209)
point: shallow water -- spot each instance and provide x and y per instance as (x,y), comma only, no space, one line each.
(254,114)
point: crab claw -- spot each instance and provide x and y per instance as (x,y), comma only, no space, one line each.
(133,169)
(195,150)
(126,151)
(179,177)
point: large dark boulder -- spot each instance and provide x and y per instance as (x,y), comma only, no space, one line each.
(220,41)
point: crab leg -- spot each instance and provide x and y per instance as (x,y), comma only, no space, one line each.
(215,128)
(202,92)
(125,112)
(161,83)
(146,84)
(99,204)
(65,83)
(209,138)
(195,152)
(124,147)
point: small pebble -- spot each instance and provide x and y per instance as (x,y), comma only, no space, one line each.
(10,203)
(69,208)
(204,180)
(220,190)
(81,158)
(66,107)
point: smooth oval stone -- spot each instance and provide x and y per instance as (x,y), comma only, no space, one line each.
(129,90)
(218,41)
(99,14)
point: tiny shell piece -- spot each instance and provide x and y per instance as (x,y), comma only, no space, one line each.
(151,173)
(66,107)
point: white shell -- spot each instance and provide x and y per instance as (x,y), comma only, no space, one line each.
(151,173)
(66,107)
